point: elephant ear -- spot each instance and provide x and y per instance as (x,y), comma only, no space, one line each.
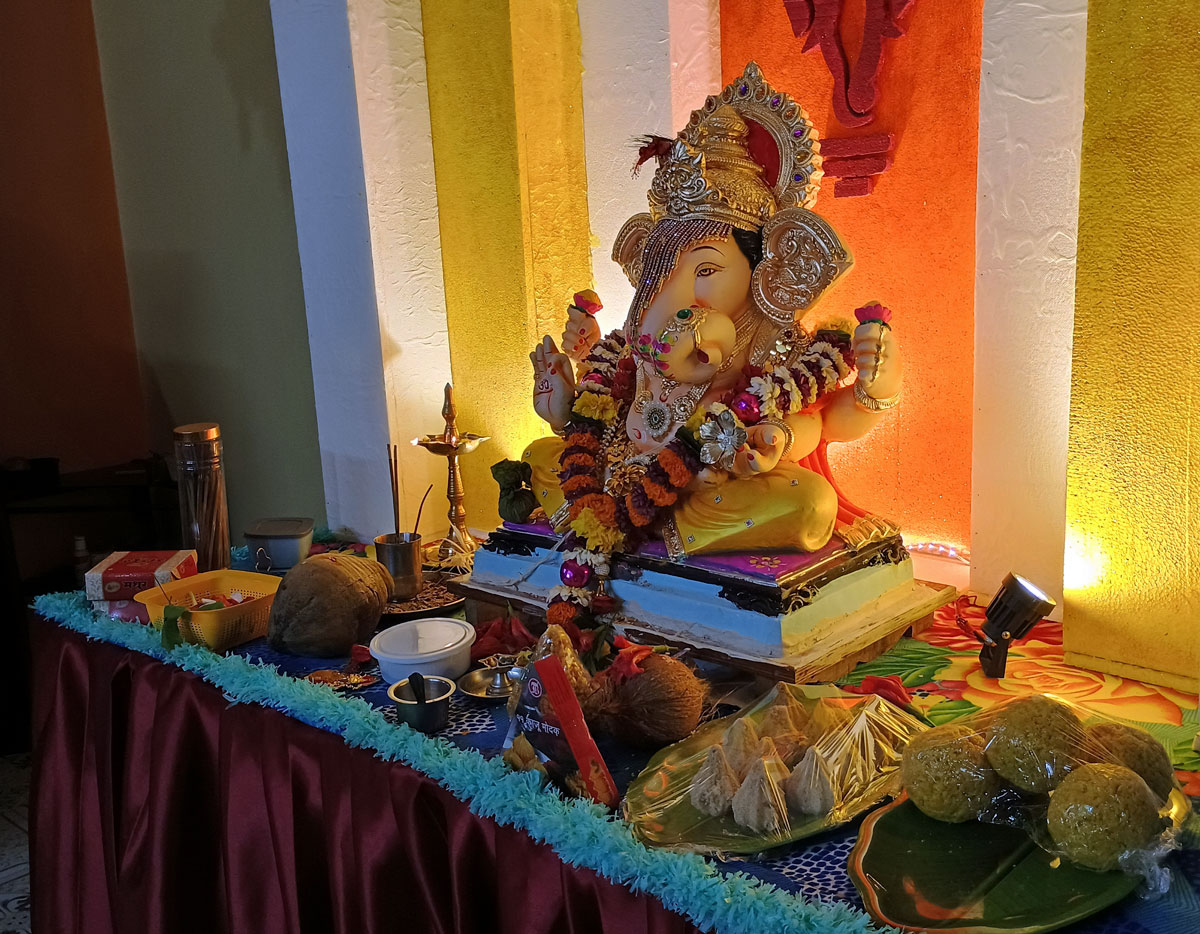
(802,257)
(628,247)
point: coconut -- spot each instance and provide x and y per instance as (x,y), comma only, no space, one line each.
(660,706)
(328,603)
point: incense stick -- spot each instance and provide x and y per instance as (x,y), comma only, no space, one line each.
(417,524)
(394,467)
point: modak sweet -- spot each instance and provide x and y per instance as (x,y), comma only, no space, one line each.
(715,784)
(759,804)
(809,789)
(741,745)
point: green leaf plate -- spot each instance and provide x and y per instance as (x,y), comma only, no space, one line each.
(919,874)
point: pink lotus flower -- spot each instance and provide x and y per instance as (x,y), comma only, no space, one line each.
(873,312)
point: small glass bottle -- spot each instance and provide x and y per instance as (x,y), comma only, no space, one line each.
(203,511)
(82,561)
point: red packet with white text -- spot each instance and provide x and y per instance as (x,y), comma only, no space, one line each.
(592,771)
(125,573)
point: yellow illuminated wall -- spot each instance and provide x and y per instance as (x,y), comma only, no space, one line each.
(1133,488)
(505,109)
(549,94)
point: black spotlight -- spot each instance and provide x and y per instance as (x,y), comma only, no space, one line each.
(1014,610)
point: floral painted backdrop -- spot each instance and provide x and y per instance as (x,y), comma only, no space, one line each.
(940,668)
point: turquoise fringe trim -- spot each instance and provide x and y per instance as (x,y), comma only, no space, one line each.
(580,832)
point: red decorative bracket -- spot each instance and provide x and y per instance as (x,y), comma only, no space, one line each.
(818,22)
(856,162)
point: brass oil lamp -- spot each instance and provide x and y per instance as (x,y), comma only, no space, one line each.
(457,549)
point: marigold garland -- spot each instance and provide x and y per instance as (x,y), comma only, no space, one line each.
(600,523)
(593,405)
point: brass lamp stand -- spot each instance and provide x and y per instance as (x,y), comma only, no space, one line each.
(457,549)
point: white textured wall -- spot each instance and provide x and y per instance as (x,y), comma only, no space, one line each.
(1030,123)
(695,55)
(626,94)
(312,46)
(401,200)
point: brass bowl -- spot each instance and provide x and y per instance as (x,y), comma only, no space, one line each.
(490,685)
(438,444)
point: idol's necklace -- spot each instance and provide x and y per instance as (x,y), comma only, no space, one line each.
(662,415)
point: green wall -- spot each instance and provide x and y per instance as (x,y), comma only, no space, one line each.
(192,98)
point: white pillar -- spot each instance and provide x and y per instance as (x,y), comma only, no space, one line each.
(695,55)
(1030,125)
(356,116)
(397,153)
(316,86)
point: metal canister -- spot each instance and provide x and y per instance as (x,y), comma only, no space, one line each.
(203,510)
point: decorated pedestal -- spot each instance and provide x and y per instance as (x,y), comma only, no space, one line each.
(797,616)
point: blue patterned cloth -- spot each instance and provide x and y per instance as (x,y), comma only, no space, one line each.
(815,868)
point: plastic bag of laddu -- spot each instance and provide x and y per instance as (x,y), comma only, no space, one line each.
(547,732)
(1090,789)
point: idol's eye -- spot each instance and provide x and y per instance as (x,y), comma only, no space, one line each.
(706,270)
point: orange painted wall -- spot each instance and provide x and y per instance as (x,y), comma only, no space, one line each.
(913,241)
(69,382)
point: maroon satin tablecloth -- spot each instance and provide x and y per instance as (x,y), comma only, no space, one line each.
(160,808)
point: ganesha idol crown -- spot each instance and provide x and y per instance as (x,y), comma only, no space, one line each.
(748,159)
(747,153)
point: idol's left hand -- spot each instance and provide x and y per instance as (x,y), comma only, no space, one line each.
(877,357)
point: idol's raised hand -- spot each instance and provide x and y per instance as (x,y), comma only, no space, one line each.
(877,357)
(553,384)
(580,334)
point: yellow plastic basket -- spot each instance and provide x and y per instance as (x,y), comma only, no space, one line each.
(222,629)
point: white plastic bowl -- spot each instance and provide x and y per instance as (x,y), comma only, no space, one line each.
(433,646)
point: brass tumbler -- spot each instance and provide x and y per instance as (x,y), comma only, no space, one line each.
(401,555)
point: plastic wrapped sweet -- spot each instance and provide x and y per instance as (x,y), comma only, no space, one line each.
(784,723)
(947,775)
(759,803)
(1099,793)
(804,758)
(1101,811)
(740,743)
(809,789)
(1034,742)
(1138,750)
(715,784)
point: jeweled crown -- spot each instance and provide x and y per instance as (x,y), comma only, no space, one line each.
(749,152)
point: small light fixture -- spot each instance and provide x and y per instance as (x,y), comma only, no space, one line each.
(1015,609)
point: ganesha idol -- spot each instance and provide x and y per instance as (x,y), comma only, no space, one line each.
(686,485)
